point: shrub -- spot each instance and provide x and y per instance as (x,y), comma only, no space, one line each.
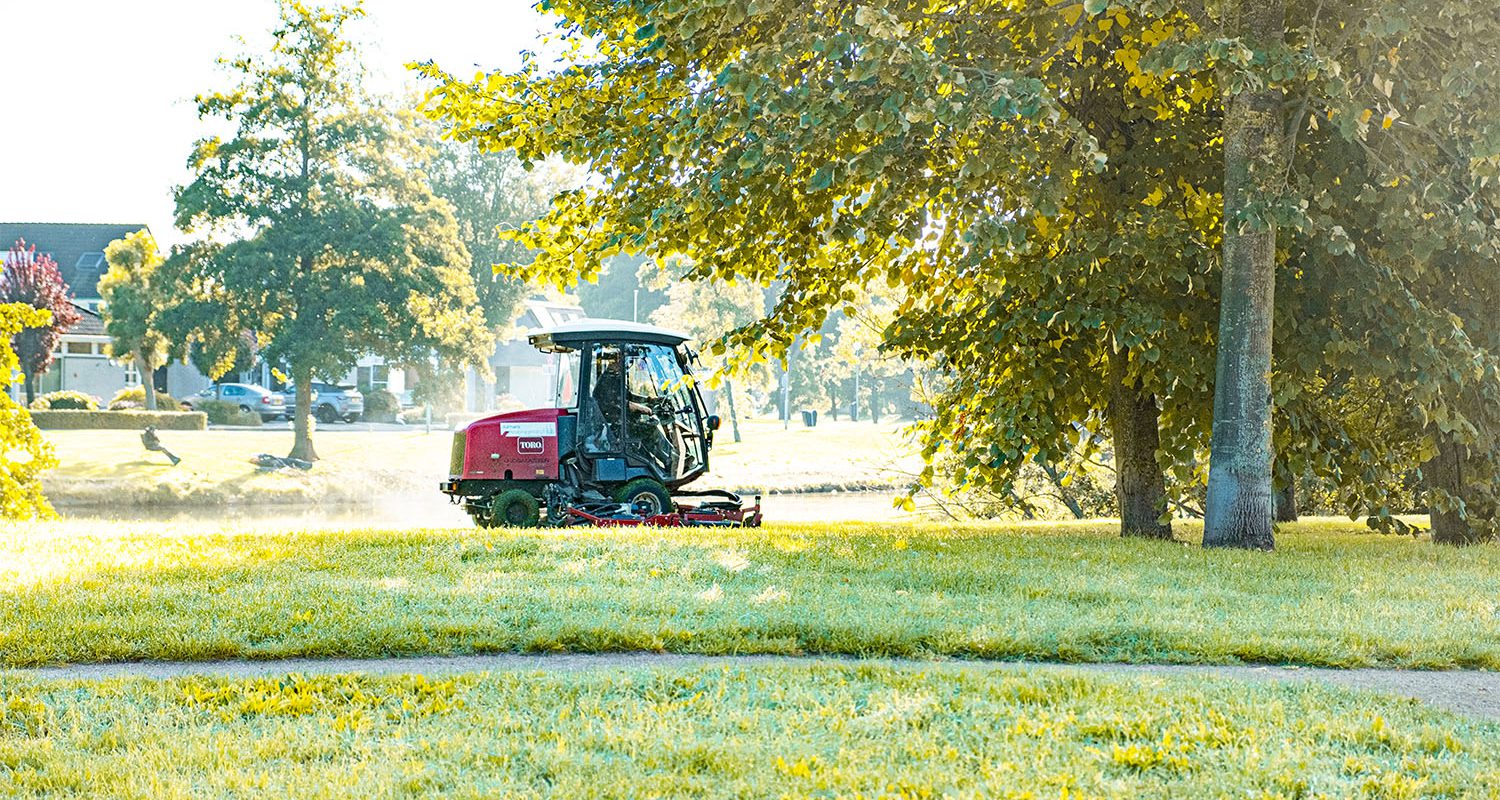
(134,397)
(119,420)
(66,401)
(223,412)
(381,406)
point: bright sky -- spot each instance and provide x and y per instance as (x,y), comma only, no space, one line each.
(96,113)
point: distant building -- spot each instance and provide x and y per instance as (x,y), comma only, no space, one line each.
(524,377)
(81,362)
(78,249)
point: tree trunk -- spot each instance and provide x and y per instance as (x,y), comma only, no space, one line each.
(148,380)
(854,405)
(1140,485)
(1445,477)
(734,416)
(1286,502)
(1239,508)
(874,403)
(302,444)
(28,380)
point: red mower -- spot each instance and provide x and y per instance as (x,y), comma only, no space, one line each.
(629,432)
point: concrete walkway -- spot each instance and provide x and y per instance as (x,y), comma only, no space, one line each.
(1471,693)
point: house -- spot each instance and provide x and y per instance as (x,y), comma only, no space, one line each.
(524,377)
(81,362)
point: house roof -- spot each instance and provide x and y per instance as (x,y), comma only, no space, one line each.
(89,322)
(77,247)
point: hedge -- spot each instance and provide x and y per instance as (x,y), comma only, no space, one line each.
(120,420)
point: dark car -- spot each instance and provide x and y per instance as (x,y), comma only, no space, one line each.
(248,397)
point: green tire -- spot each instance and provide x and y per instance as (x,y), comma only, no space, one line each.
(646,490)
(514,509)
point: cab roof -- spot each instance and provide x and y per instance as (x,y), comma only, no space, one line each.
(570,335)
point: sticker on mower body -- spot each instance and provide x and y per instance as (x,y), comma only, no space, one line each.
(528,429)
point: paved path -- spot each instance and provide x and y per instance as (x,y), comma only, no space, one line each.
(1471,693)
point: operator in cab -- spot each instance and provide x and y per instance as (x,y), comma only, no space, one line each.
(643,423)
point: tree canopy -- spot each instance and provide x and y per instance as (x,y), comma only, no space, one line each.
(315,230)
(134,294)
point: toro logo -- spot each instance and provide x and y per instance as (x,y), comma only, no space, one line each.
(529,446)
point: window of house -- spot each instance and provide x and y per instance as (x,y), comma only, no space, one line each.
(374,377)
(79,348)
(90,261)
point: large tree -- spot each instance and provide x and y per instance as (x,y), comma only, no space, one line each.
(318,233)
(33,279)
(134,295)
(1025,230)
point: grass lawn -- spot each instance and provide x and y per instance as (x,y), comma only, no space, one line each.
(101,468)
(1329,596)
(786,731)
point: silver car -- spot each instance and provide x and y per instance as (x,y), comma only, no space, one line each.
(249,397)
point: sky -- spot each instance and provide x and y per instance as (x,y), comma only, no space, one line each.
(96,111)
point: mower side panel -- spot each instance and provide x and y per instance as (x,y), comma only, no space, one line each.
(521,446)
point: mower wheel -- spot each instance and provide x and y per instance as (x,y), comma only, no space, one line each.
(514,509)
(648,491)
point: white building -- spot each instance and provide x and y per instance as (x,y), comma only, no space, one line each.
(524,378)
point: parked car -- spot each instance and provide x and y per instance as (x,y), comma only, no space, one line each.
(248,397)
(331,402)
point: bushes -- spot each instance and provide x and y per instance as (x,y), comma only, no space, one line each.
(66,401)
(381,406)
(51,420)
(223,412)
(134,397)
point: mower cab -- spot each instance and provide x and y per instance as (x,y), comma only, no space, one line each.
(629,431)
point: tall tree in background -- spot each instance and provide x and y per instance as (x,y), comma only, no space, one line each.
(32,279)
(619,292)
(491,193)
(317,232)
(134,296)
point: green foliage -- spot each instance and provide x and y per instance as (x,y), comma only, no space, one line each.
(135,294)
(316,230)
(226,412)
(134,397)
(381,406)
(24,454)
(78,401)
